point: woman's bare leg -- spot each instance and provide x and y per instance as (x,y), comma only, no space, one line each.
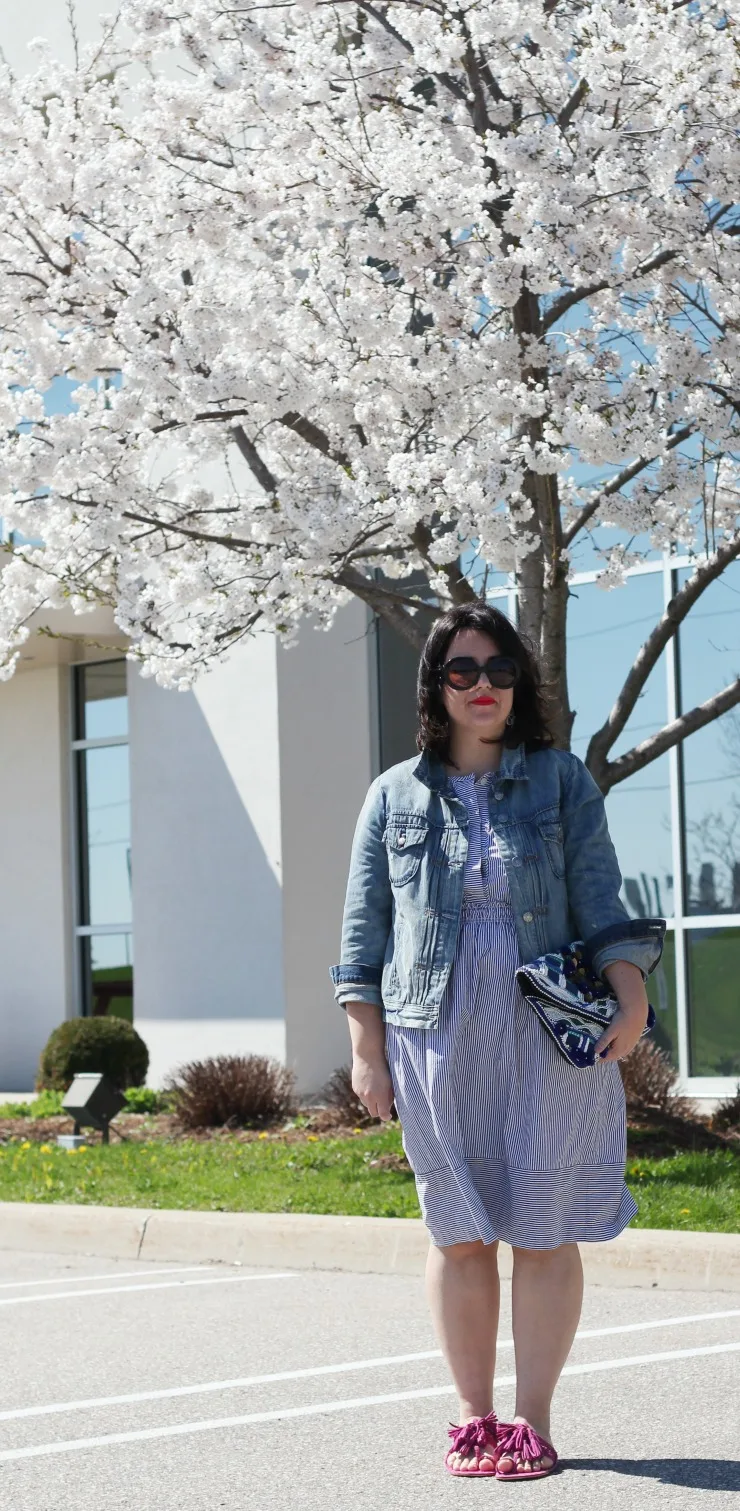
(462,1288)
(546,1298)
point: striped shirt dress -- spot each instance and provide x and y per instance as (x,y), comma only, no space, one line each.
(506,1139)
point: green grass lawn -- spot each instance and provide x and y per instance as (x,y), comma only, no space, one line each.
(323,1174)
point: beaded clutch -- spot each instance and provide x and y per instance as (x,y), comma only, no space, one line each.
(572,1002)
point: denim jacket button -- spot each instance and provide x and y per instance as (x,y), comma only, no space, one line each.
(499,795)
(528,917)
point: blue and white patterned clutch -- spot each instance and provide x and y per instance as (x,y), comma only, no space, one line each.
(572,1002)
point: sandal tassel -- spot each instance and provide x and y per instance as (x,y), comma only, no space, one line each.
(477,1436)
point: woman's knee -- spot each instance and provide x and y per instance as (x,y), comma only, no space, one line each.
(461,1253)
(544,1257)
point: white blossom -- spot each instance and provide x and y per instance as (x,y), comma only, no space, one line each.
(338,294)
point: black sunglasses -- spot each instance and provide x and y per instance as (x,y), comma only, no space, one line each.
(464,672)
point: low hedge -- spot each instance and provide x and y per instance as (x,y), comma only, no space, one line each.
(108,1046)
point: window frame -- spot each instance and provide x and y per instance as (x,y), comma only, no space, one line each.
(82,968)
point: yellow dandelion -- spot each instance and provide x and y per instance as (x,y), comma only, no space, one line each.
(684,1212)
(263,1135)
(312,1138)
(46,1148)
(25,1144)
(71,1151)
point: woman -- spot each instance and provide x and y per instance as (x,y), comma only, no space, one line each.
(484,852)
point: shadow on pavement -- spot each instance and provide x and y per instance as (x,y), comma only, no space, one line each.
(694,1474)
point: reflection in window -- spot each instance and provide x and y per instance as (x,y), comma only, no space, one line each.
(102,705)
(104,838)
(661,990)
(108,967)
(605,632)
(710,658)
(106,826)
(714,1010)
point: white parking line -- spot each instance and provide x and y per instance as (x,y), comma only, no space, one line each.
(387,1361)
(180,1269)
(166,1285)
(183,1429)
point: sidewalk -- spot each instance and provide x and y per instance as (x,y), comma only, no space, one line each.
(380,1245)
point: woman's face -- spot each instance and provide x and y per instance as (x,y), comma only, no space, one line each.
(482,709)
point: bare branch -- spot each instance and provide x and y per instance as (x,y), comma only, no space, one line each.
(675,613)
(657,745)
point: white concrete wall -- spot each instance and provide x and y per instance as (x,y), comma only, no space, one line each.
(207,875)
(325,770)
(35,869)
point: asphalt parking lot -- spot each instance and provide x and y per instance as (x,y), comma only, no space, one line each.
(187,1388)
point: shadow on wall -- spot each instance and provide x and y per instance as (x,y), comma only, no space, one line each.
(206,894)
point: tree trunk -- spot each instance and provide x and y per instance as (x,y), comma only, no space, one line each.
(543,574)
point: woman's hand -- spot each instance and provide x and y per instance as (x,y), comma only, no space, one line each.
(371,1082)
(371,1078)
(628,1023)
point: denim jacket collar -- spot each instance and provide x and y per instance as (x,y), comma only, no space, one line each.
(430,769)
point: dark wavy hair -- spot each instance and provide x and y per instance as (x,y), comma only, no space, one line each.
(530,711)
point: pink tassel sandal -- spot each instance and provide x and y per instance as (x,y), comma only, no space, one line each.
(479,1436)
(517,1440)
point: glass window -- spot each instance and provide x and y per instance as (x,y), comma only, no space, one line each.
(106,829)
(714,1004)
(108,970)
(104,838)
(709,660)
(102,711)
(605,632)
(661,990)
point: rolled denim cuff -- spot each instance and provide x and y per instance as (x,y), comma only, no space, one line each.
(638,941)
(356,983)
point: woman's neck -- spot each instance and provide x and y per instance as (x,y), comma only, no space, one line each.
(475,756)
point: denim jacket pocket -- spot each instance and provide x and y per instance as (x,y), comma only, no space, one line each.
(551,834)
(405,839)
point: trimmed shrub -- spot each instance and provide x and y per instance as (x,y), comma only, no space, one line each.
(650,1078)
(726,1115)
(108,1046)
(147,1099)
(240,1091)
(340,1096)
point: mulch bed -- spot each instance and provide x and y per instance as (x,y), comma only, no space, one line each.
(139,1128)
(654,1134)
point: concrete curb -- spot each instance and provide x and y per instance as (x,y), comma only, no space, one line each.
(370,1245)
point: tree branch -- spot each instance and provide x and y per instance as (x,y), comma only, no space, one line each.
(387,603)
(459,587)
(625,476)
(687,724)
(314,436)
(574,296)
(675,613)
(257,467)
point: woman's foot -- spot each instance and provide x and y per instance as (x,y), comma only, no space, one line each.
(523,1449)
(474,1449)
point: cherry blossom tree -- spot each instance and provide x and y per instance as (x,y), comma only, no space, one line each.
(349,290)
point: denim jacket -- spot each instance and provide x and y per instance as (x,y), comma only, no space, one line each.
(407,868)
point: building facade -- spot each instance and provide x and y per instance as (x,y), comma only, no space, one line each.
(180,859)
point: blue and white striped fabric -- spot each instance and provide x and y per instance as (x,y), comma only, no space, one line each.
(506,1138)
